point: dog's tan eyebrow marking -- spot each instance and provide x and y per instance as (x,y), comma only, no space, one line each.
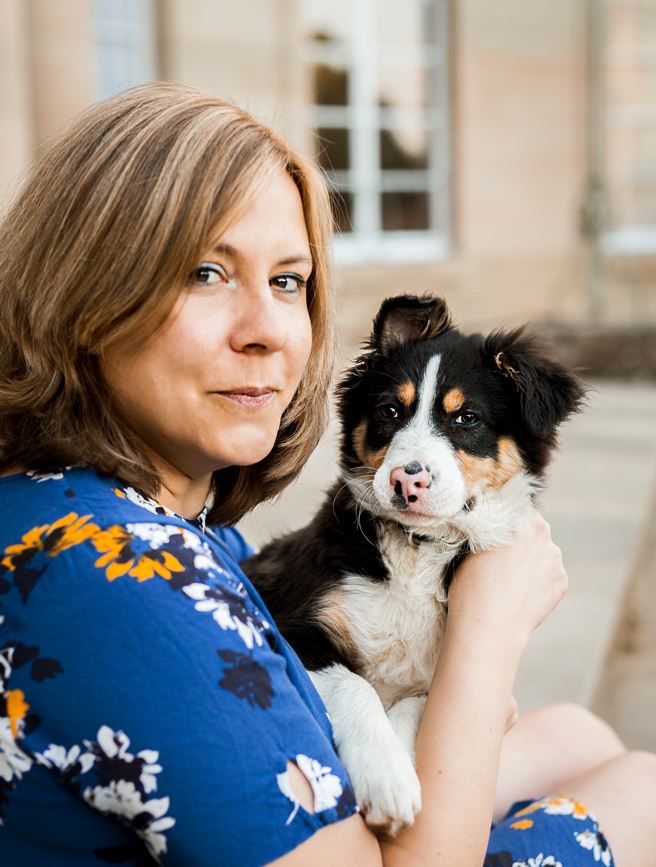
(492,473)
(407,393)
(453,400)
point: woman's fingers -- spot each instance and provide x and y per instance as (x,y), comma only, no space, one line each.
(514,587)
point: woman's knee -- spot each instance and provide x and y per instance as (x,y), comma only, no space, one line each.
(639,772)
(581,726)
(621,795)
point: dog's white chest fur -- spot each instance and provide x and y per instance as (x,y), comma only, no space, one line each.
(397,625)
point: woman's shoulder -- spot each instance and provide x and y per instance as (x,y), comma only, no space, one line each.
(75,520)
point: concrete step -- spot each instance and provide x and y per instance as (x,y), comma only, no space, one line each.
(597,502)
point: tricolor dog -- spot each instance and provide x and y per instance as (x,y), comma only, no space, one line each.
(445,439)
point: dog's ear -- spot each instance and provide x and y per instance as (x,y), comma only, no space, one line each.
(408,319)
(548,393)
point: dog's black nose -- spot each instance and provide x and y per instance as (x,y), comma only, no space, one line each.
(412,468)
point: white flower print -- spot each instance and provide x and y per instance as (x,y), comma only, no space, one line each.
(210,600)
(326,787)
(590,840)
(112,743)
(540,860)
(62,759)
(147,777)
(127,797)
(561,806)
(155,534)
(145,502)
(13,761)
(204,559)
(122,798)
(5,666)
(44,477)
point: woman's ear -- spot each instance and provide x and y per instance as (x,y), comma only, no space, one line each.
(407,319)
(548,393)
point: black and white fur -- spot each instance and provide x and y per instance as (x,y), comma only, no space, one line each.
(445,438)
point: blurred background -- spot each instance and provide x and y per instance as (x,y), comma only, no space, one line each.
(500,154)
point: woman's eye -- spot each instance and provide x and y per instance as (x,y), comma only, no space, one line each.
(388,411)
(291,283)
(207,274)
(468,419)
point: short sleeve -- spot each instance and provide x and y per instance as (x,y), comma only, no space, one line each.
(167,703)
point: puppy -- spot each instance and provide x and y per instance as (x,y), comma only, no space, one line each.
(445,440)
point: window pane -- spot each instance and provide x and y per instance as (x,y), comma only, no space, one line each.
(405,211)
(342,207)
(630,142)
(330,85)
(404,148)
(332,148)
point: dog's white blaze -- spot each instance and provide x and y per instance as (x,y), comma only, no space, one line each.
(423,418)
(420,441)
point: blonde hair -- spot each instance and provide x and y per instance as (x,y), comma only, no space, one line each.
(95,251)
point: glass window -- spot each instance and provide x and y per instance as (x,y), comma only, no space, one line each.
(124,38)
(378,77)
(630,125)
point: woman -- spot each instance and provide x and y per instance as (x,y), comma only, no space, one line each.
(166,335)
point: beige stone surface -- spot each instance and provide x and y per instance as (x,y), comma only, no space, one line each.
(626,693)
(62,62)
(15,119)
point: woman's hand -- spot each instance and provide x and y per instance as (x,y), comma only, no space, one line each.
(512,589)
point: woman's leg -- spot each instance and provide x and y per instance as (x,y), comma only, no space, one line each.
(548,747)
(621,795)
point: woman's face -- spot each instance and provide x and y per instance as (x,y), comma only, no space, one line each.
(208,389)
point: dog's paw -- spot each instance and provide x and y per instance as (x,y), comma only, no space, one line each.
(386,788)
(404,717)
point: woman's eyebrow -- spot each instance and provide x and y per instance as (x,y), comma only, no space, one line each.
(294,259)
(299,259)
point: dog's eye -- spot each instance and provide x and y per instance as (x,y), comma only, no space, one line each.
(388,411)
(468,419)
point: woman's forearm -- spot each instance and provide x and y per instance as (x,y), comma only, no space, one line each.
(457,750)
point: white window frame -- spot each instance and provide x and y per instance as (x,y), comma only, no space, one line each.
(638,239)
(125,44)
(363,118)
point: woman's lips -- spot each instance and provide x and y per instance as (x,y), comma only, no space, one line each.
(249,397)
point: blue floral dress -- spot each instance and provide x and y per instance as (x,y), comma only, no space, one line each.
(150,709)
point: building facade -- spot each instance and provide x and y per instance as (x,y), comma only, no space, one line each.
(498,153)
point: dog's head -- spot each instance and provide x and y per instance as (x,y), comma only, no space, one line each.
(434,421)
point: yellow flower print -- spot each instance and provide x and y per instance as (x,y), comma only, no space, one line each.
(522,825)
(17,707)
(50,539)
(124,553)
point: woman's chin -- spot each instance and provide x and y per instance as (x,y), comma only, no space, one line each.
(248,451)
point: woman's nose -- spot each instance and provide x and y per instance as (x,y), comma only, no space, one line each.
(260,324)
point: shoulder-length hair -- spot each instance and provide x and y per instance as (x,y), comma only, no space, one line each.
(97,248)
